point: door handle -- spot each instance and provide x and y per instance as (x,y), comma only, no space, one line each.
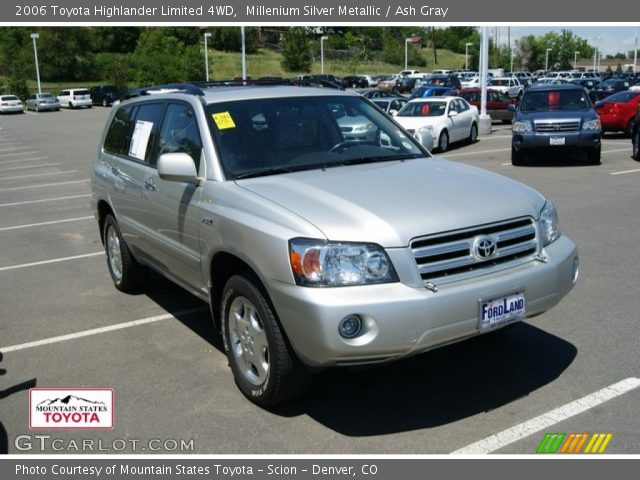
(150,185)
(115,171)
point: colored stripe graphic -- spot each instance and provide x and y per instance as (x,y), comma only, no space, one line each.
(550,442)
(574,443)
(598,443)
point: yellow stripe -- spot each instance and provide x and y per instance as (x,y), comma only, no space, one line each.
(567,442)
(590,444)
(605,443)
(598,442)
(584,439)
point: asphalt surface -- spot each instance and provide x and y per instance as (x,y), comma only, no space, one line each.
(171,378)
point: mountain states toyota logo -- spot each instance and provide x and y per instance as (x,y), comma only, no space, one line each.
(64,408)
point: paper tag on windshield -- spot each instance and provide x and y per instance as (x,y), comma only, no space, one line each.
(223,120)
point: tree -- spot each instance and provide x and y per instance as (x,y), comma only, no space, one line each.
(163,58)
(297,51)
(228,39)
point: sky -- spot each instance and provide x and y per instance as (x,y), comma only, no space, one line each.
(614,39)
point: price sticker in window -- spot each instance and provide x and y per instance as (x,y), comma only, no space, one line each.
(223,120)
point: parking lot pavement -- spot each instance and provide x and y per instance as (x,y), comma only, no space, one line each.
(63,324)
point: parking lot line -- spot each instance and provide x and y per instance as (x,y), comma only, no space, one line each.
(546,420)
(25,167)
(479,152)
(12,149)
(53,260)
(37,175)
(21,160)
(9,189)
(618,150)
(626,171)
(44,200)
(41,224)
(2,155)
(96,331)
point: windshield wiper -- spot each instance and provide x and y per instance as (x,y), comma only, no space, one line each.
(268,171)
(381,158)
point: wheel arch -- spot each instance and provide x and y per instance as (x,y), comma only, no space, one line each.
(103,210)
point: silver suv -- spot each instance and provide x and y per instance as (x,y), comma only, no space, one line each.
(313,246)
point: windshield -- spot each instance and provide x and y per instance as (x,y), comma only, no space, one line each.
(555,100)
(277,135)
(499,83)
(423,109)
(46,95)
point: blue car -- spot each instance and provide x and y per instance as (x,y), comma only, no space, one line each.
(553,118)
(433,91)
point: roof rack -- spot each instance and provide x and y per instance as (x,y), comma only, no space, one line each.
(188,88)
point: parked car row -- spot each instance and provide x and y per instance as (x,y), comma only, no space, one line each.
(68,98)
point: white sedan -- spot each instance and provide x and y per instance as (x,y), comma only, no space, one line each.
(451,119)
(11,104)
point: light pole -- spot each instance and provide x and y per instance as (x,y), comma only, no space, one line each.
(322,39)
(406,53)
(512,50)
(466,55)
(575,60)
(206,54)
(635,52)
(244,57)
(595,53)
(484,128)
(546,59)
(35,36)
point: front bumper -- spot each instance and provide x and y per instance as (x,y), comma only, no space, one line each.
(401,320)
(582,139)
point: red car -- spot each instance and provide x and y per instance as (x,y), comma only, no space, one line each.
(497,103)
(618,111)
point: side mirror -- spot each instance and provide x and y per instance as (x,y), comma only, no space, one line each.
(425,137)
(177,167)
(511,107)
(393,113)
(453,113)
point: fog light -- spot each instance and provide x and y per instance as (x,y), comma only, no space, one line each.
(576,269)
(350,326)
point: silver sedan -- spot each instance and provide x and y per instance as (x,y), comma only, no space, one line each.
(43,101)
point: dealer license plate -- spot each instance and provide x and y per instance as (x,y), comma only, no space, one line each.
(556,140)
(500,311)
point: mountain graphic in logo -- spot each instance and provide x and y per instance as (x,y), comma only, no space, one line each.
(69,400)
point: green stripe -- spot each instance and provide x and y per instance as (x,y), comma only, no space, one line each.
(543,443)
(556,445)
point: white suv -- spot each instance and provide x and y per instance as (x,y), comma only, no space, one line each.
(75,97)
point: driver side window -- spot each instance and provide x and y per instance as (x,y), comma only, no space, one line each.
(180,133)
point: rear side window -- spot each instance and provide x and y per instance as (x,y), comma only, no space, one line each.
(119,133)
(145,131)
(64,93)
(81,92)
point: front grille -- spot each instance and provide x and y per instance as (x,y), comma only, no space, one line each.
(557,126)
(453,255)
(346,129)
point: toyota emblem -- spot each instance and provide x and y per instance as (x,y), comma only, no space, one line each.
(485,248)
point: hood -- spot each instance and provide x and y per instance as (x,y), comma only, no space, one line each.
(392,202)
(413,123)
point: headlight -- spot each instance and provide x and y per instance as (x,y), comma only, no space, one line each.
(317,263)
(591,124)
(548,224)
(522,127)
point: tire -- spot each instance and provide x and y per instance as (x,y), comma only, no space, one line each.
(636,145)
(354,85)
(629,130)
(127,274)
(37,108)
(517,158)
(265,368)
(593,155)
(443,141)
(105,103)
(473,134)
(70,106)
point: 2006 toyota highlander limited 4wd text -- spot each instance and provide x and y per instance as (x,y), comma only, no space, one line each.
(320,232)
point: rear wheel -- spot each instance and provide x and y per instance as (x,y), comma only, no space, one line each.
(265,368)
(105,103)
(629,130)
(473,134)
(70,105)
(636,145)
(127,274)
(443,141)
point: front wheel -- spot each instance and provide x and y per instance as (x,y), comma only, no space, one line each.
(636,145)
(629,130)
(443,141)
(105,103)
(266,370)
(517,158)
(127,274)
(594,156)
